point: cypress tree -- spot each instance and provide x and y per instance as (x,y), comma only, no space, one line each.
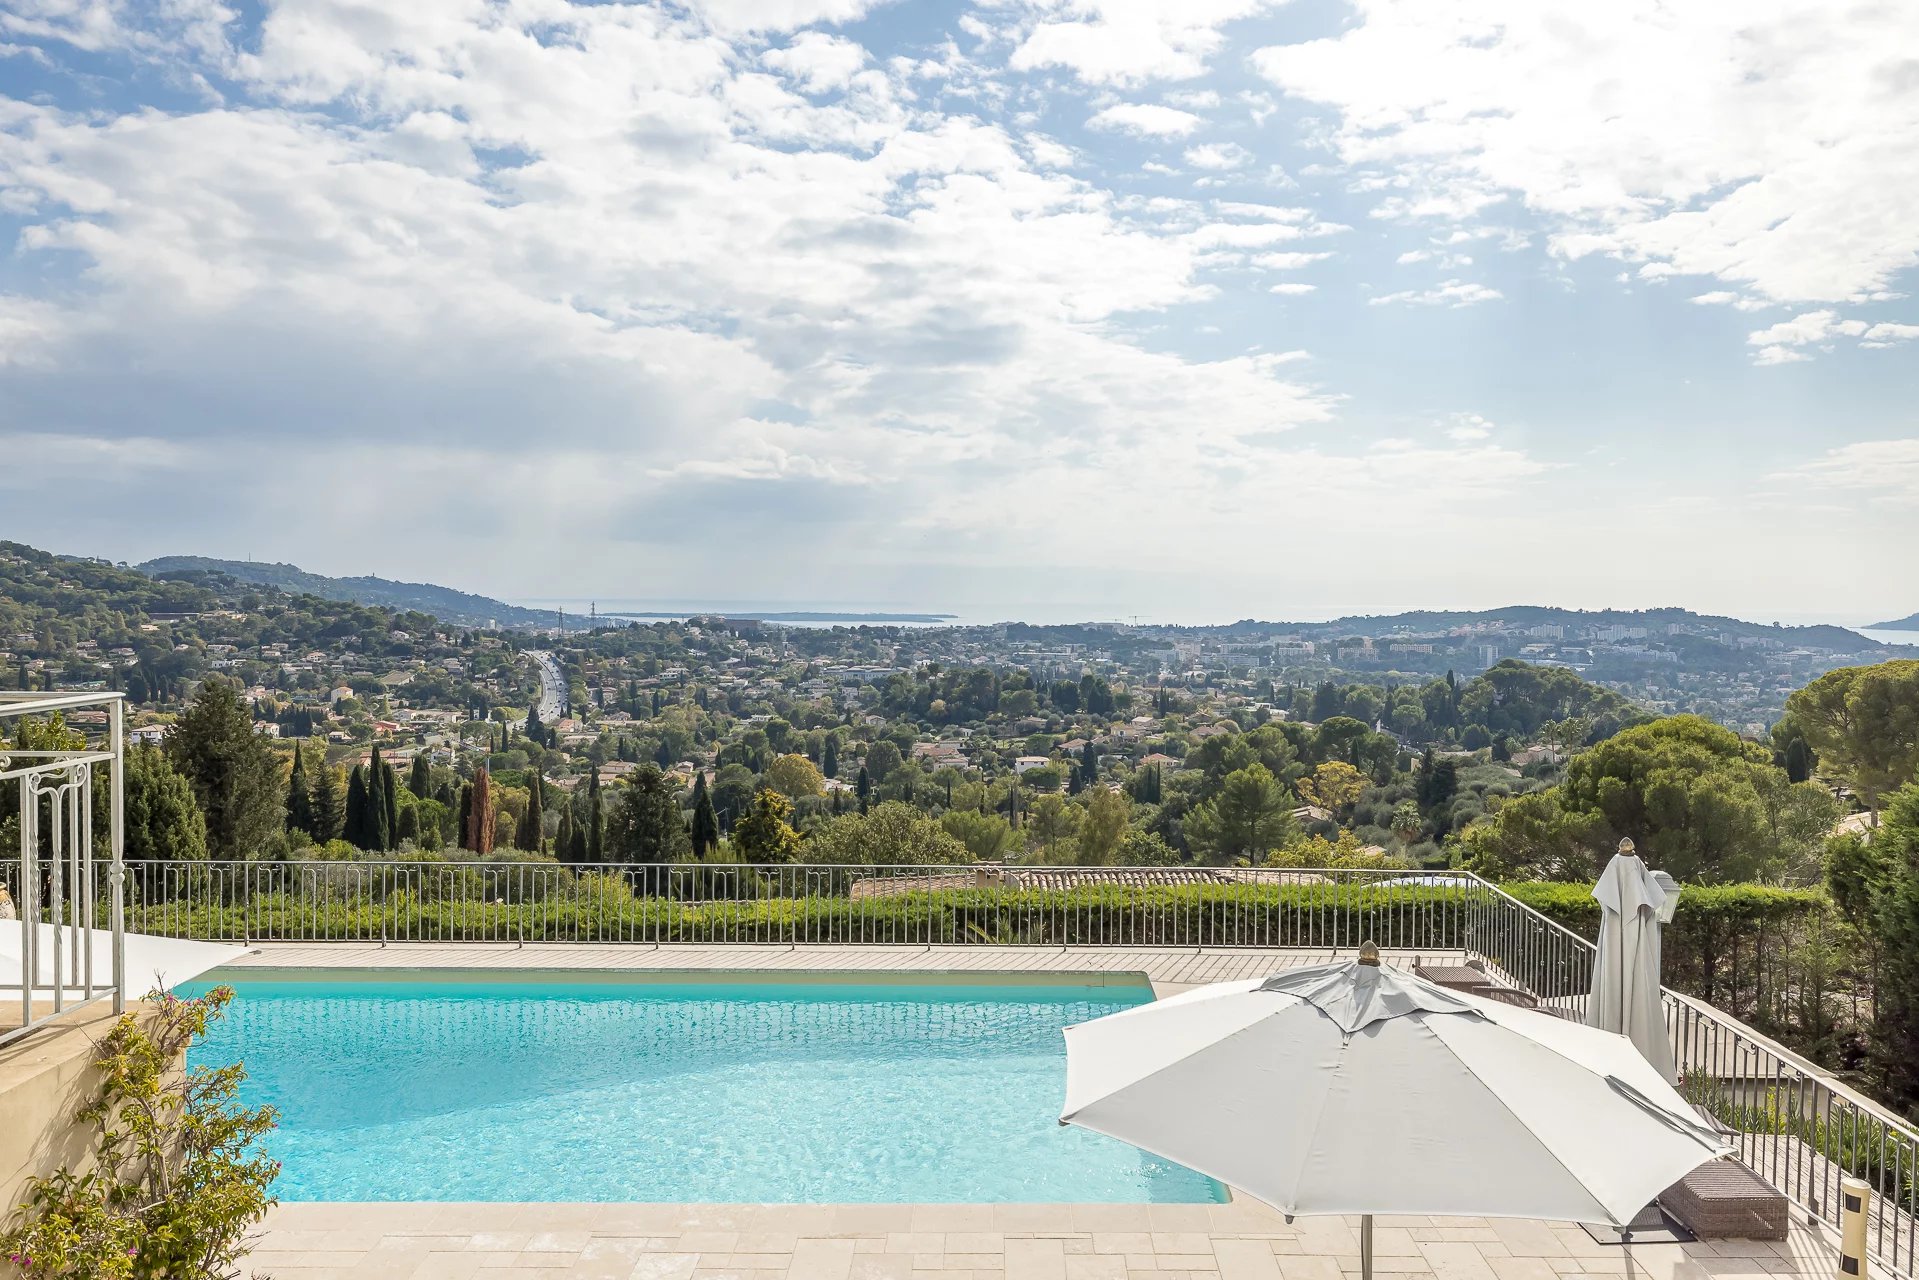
(390,792)
(419,779)
(534,733)
(595,820)
(830,757)
(563,835)
(480,814)
(354,832)
(329,802)
(706,824)
(1089,764)
(299,795)
(865,789)
(530,836)
(379,830)
(465,811)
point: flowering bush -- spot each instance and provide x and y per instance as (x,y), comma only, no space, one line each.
(177,1179)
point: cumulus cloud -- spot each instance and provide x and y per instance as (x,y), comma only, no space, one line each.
(1145,119)
(621,260)
(1218,156)
(1125,42)
(1768,145)
(1782,343)
(556,297)
(818,62)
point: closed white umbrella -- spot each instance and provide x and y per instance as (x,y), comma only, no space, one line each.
(1625,993)
(1349,1088)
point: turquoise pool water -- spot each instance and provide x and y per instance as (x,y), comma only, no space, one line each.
(774,1093)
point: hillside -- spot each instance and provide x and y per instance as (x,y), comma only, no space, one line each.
(458,607)
(1657,621)
(1908,623)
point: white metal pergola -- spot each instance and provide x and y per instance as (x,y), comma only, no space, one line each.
(57,879)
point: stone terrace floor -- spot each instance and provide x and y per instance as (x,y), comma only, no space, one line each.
(1167,968)
(1240,1241)
(1243,1240)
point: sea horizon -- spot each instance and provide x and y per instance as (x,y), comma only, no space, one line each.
(963,614)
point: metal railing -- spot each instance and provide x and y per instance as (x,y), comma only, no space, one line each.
(57,886)
(799,905)
(1789,1120)
(1792,1122)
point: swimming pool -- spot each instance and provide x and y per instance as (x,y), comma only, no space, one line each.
(743,1091)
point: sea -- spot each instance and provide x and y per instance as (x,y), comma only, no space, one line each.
(814,613)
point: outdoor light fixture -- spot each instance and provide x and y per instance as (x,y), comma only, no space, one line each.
(1667,885)
(1671,886)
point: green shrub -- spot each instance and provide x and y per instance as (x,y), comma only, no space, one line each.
(177,1180)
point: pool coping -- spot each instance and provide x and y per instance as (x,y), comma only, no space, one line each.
(584,976)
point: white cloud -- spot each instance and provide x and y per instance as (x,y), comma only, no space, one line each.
(818,62)
(1126,42)
(1145,120)
(1413,255)
(1194,99)
(1766,144)
(1879,471)
(1292,288)
(1453,293)
(1288,261)
(1467,427)
(1218,156)
(1781,343)
(724,272)
(1887,334)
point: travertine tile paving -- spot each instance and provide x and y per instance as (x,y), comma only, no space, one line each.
(1238,1241)
(1167,968)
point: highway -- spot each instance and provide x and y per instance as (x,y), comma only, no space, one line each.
(552,685)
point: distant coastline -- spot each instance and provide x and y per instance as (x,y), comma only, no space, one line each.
(754,615)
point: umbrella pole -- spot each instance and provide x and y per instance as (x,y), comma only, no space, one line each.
(1366,1246)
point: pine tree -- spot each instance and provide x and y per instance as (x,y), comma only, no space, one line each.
(235,775)
(706,824)
(419,779)
(830,757)
(865,789)
(354,831)
(531,836)
(299,795)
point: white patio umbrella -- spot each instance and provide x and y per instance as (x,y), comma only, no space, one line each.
(1625,992)
(1349,1088)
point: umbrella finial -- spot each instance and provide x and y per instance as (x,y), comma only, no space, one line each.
(1369,953)
(1626,845)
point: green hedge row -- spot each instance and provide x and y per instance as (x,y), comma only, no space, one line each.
(594,908)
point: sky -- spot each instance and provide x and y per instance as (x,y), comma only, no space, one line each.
(1207,308)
